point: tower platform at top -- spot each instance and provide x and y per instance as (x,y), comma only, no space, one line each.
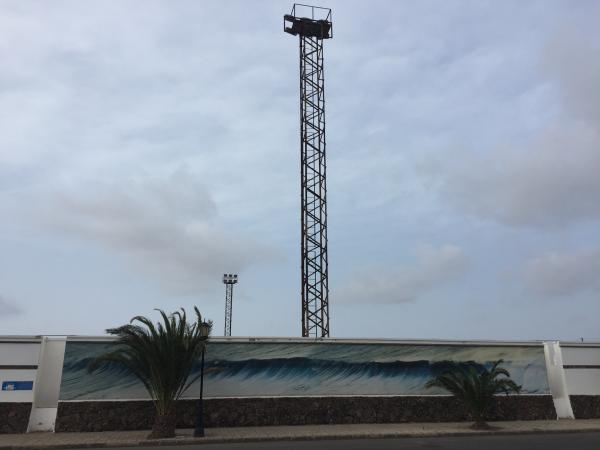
(318,24)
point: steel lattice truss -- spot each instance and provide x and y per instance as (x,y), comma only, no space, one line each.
(312,30)
(315,301)
(229,280)
(228,308)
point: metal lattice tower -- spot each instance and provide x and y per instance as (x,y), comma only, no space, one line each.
(229,280)
(315,290)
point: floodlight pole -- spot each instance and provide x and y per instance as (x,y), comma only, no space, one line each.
(313,189)
(199,425)
(199,422)
(229,280)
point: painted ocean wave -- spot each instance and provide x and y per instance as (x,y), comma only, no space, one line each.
(307,367)
(362,370)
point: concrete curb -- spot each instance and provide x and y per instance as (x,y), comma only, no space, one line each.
(271,438)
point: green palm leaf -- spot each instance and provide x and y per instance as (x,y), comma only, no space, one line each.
(476,388)
(160,355)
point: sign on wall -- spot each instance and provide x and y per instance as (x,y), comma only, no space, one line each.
(17,385)
(252,369)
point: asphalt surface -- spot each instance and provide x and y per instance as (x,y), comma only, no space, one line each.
(563,441)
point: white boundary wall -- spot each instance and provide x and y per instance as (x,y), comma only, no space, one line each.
(581,364)
(18,362)
(573,368)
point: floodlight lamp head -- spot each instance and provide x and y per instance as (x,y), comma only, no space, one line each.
(318,25)
(230,278)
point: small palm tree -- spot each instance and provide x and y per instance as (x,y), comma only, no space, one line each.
(161,356)
(476,388)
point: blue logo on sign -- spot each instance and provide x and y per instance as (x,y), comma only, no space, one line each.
(17,385)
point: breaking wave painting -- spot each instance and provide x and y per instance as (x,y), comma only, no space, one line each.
(234,369)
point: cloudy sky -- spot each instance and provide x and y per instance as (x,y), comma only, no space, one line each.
(147,147)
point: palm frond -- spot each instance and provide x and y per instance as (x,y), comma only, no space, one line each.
(476,387)
(160,355)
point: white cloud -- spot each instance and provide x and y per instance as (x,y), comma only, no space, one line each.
(552,179)
(104,91)
(8,308)
(563,274)
(573,60)
(551,182)
(167,226)
(433,268)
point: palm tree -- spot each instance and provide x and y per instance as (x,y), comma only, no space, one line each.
(476,388)
(161,356)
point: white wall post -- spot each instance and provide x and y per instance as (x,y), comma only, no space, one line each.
(47,384)
(557,381)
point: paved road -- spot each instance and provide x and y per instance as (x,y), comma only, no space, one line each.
(571,441)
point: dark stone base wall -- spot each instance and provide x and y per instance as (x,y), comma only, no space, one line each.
(232,412)
(14,417)
(586,406)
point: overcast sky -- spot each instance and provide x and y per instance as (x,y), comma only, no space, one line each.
(147,147)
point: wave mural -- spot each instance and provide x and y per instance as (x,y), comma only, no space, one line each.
(254,369)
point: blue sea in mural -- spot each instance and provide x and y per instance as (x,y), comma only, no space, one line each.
(250,369)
